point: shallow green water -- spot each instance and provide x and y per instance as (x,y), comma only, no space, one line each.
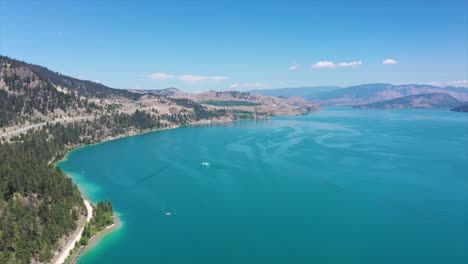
(338,186)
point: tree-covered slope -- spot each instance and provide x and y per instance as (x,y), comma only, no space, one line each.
(81,87)
(38,203)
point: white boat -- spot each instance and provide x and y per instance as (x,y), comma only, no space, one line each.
(205,164)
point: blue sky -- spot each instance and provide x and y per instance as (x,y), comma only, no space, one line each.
(203,45)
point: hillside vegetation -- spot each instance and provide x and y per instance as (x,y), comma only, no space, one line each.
(38,203)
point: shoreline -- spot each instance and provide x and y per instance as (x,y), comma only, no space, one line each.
(93,241)
(117,223)
(131,134)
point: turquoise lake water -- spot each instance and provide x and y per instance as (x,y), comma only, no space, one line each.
(337,186)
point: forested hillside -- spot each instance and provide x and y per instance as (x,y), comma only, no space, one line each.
(38,203)
(81,87)
(25,97)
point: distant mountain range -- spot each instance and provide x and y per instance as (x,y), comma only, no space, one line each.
(461,108)
(309,93)
(364,94)
(432,100)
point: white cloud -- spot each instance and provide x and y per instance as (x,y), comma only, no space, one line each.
(352,64)
(389,62)
(324,65)
(332,65)
(192,78)
(244,86)
(460,83)
(218,78)
(160,76)
(436,84)
(294,67)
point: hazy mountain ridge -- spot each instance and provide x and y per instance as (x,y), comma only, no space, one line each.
(461,108)
(431,100)
(371,93)
(309,93)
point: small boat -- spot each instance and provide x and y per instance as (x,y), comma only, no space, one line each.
(205,164)
(168,214)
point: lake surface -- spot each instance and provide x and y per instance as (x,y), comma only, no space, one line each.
(337,186)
